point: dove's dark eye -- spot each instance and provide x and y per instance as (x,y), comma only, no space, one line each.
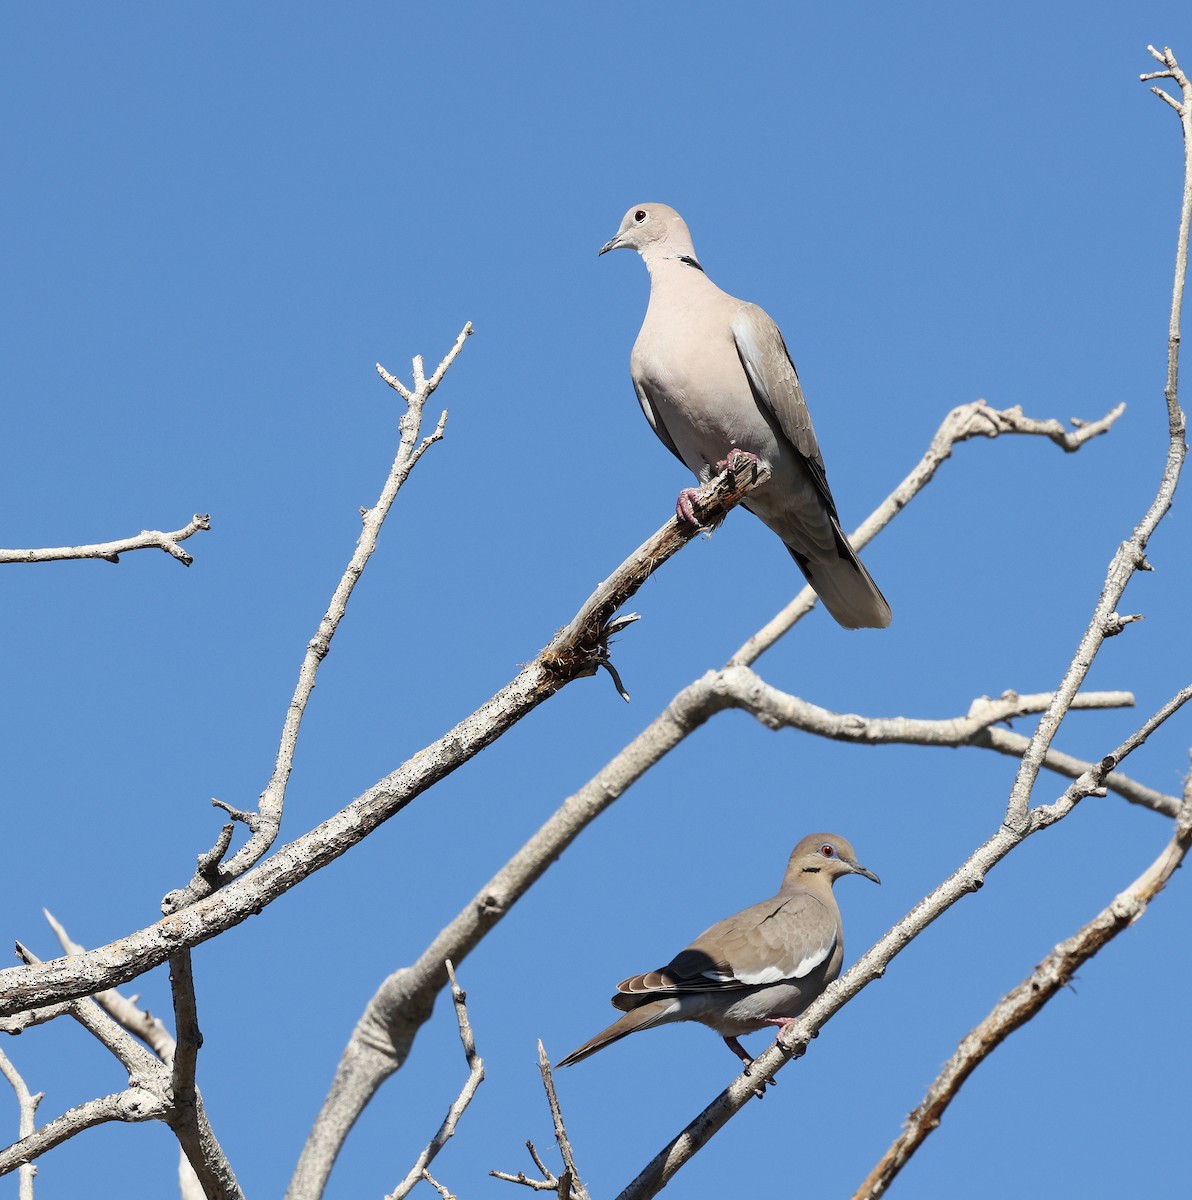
(640,215)
(828,850)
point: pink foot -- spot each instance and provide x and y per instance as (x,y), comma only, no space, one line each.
(733,457)
(683,509)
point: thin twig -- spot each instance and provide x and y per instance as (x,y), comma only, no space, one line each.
(147,539)
(265,822)
(578,1191)
(447,1195)
(459,1104)
(567,1185)
(1131,554)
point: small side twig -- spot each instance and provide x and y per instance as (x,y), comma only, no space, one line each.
(459,1104)
(440,1188)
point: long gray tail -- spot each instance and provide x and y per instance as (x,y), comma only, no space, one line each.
(845,587)
(641,1017)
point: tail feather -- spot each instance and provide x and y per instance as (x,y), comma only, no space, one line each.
(846,588)
(642,1017)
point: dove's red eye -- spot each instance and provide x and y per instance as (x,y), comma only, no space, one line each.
(827,850)
(640,215)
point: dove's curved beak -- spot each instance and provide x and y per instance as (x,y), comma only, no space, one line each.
(860,870)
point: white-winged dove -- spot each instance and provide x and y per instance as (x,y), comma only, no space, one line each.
(714,376)
(763,966)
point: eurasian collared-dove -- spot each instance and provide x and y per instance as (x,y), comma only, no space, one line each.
(713,375)
(762,967)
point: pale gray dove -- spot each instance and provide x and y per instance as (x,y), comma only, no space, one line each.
(763,966)
(714,376)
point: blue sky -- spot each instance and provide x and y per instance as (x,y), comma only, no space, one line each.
(217,220)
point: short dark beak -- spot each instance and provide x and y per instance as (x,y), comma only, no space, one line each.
(860,870)
(608,246)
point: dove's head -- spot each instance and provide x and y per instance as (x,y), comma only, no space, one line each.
(654,231)
(823,856)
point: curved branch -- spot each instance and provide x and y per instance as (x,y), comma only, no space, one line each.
(964,422)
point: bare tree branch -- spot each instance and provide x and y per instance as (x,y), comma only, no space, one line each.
(967,421)
(577,1189)
(144,1068)
(1025,1001)
(187,1116)
(440,1188)
(574,651)
(161,1085)
(1131,555)
(550,1182)
(461,1102)
(134,1104)
(27,1103)
(147,539)
(266,821)
(124,1010)
(567,1185)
